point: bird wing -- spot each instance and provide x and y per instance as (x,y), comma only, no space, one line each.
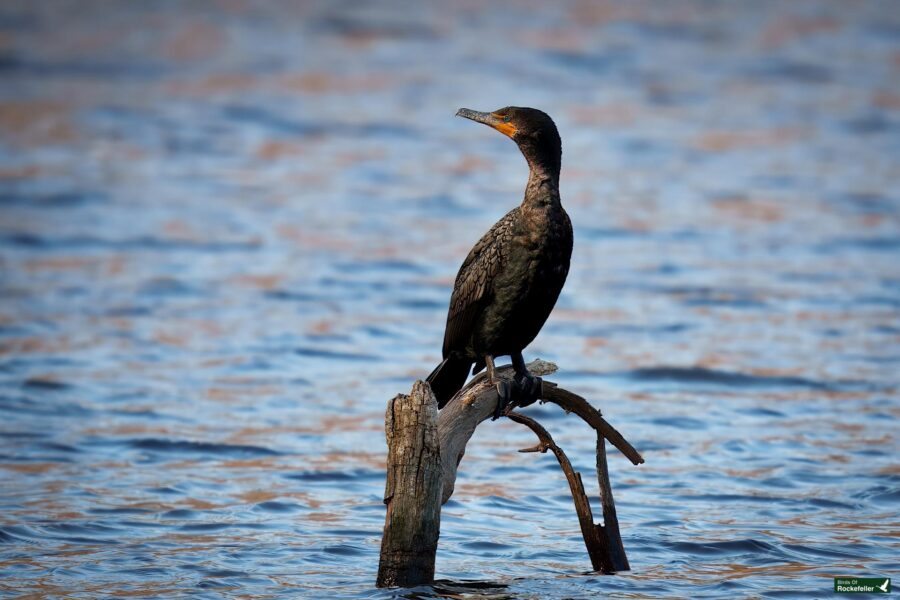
(474,282)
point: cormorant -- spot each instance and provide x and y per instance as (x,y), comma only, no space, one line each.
(509,282)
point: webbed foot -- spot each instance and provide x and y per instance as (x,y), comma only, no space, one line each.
(525,388)
(529,387)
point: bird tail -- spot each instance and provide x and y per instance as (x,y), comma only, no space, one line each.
(448,378)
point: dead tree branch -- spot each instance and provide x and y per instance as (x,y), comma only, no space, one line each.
(425,449)
(476,402)
(595,539)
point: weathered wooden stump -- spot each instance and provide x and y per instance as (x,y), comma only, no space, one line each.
(413,490)
(424,452)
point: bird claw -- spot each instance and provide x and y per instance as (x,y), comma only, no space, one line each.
(504,399)
(530,388)
(522,391)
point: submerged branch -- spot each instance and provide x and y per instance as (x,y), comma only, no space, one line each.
(595,539)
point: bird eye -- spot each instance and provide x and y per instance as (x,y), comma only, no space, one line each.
(507,119)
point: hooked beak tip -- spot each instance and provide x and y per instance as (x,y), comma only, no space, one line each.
(488,119)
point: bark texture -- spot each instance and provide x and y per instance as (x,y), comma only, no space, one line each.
(413,490)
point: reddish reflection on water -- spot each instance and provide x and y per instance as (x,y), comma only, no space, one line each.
(227,237)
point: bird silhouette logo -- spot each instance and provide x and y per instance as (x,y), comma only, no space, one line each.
(884,587)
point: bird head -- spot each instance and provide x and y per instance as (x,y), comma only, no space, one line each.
(533,130)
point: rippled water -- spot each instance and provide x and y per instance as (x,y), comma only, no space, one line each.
(228,236)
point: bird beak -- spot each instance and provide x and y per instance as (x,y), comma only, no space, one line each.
(489,119)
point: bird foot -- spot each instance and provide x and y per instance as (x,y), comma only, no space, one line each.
(504,399)
(529,387)
(524,390)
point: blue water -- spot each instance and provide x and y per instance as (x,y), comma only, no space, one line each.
(228,233)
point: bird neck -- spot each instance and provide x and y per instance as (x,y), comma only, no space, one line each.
(542,189)
(543,163)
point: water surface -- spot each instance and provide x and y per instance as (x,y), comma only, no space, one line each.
(228,233)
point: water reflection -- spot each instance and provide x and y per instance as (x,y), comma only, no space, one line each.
(228,234)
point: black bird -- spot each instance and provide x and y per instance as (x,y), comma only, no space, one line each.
(511,279)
